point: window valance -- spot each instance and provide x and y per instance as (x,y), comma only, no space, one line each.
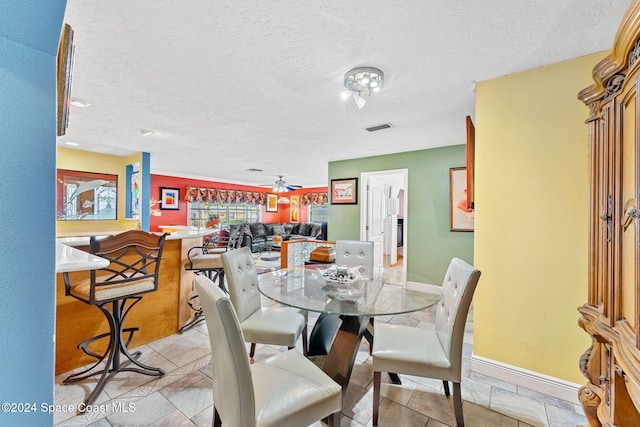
(315,198)
(215,195)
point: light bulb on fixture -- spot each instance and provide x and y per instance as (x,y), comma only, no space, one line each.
(359,100)
(362,80)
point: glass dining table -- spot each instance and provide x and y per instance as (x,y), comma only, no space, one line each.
(345,307)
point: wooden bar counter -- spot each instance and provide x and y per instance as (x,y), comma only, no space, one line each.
(157,315)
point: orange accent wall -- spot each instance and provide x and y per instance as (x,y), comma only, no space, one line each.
(179,217)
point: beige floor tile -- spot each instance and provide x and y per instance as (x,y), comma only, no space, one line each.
(479,416)
(519,407)
(392,414)
(433,404)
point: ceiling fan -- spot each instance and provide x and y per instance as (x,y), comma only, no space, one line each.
(280,186)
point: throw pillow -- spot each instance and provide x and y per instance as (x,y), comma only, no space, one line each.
(278,230)
(257,230)
(316,231)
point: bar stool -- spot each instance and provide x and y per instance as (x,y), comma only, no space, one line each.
(134,258)
(205,260)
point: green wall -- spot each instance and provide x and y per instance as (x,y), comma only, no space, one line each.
(430,245)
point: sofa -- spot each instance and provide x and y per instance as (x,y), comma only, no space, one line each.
(256,234)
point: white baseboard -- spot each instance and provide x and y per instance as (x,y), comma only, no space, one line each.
(423,287)
(535,381)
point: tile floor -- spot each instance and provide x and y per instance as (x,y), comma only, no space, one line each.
(183,396)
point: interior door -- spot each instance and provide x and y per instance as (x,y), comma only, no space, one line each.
(376,217)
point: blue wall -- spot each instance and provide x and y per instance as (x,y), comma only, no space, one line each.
(29,34)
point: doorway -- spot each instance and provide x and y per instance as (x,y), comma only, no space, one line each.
(383,216)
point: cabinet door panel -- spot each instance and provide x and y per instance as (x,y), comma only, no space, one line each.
(627,201)
(605,209)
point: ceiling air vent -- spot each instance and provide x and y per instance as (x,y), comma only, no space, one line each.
(254,170)
(379,127)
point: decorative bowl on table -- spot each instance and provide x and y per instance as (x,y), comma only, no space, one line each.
(344,283)
(277,239)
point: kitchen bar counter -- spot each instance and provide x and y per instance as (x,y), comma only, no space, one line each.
(72,259)
(158,314)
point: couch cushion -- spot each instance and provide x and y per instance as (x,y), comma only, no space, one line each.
(268,228)
(245,230)
(305,229)
(257,230)
(278,230)
(295,228)
(316,231)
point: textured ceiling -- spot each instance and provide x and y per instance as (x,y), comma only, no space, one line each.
(228,86)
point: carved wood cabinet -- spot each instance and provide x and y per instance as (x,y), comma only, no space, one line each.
(612,314)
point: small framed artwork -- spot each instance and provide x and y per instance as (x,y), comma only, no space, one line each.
(461,215)
(344,191)
(272,203)
(169,198)
(294,209)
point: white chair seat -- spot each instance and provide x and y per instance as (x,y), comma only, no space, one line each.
(288,386)
(276,326)
(398,348)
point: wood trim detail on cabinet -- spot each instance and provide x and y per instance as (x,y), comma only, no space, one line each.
(611,316)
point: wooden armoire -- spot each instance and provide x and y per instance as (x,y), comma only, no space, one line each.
(612,314)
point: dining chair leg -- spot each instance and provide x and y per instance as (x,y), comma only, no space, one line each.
(217,422)
(376,395)
(457,404)
(445,383)
(305,341)
(334,419)
(253,350)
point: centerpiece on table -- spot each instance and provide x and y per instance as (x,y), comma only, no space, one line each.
(344,283)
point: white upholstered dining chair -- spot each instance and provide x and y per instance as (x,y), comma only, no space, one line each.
(358,253)
(355,253)
(273,325)
(284,390)
(435,352)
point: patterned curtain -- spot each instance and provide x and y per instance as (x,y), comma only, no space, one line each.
(214,195)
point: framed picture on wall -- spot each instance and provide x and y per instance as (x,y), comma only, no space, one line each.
(294,209)
(169,198)
(461,215)
(344,191)
(272,203)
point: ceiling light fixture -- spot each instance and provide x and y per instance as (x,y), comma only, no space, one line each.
(361,81)
(146,132)
(283,201)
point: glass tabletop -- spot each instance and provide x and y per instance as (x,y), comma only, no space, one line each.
(309,289)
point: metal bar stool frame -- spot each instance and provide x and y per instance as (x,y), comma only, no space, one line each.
(139,277)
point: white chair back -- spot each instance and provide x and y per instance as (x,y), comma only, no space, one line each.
(233,394)
(458,287)
(242,281)
(355,253)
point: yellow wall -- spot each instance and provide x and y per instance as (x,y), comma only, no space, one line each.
(531,221)
(102,163)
